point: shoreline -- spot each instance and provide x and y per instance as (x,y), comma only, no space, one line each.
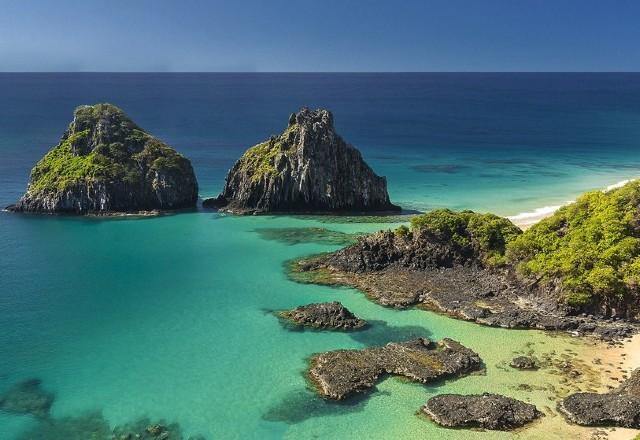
(526,219)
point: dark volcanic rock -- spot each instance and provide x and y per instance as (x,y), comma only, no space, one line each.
(488,411)
(341,373)
(308,168)
(523,363)
(426,269)
(27,397)
(331,315)
(621,407)
(105,163)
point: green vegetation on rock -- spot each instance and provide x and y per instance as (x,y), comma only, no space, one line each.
(260,159)
(487,233)
(591,247)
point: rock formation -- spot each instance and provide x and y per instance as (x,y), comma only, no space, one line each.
(105,163)
(523,363)
(341,373)
(306,169)
(331,315)
(487,411)
(27,397)
(620,408)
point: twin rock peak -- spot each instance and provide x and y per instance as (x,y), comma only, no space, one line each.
(106,164)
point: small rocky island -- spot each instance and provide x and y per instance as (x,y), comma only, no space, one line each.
(575,271)
(619,408)
(486,411)
(331,315)
(342,373)
(105,164)
(308,168)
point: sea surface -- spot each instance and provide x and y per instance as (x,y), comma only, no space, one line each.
(171,317)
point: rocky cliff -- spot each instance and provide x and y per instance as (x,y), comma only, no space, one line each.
(105,163)
(307,168)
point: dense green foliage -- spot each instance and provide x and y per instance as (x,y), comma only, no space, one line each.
(592,246)
(103,145)
(486,233)
(259,160)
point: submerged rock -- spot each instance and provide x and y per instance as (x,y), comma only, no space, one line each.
(487,411)
(306,169)
(105,163)
(331,315)
(620,408)
(341,373)
(523,363)
(27,397)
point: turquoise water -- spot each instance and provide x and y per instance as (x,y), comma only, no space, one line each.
(170,317)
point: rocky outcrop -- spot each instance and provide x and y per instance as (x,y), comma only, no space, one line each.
(620,408)
(487,411)
(437,272)
(27,397)
(331,315)
(105,163)
(306,169)
(341,373)
(523,363)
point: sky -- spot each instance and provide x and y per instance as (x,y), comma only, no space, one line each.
(319,35)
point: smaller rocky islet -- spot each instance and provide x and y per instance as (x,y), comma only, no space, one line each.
(332,316)
(618,408)
(342,373)
(485,411)
(106,164)
(308,168)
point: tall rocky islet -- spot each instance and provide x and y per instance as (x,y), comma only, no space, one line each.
(105,163)
(308,168)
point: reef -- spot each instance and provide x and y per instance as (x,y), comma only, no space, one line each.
(331,315)
(27,397)
(618,408)
(308,168)
(106,164)
(486,411)
(340,374)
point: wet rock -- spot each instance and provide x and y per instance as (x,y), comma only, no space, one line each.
(306,169)
(341,373)
(523,363)
(331,315)
(620,407)
(487,411)
(27,397)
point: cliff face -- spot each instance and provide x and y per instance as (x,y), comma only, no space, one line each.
(106,163)
(307,168)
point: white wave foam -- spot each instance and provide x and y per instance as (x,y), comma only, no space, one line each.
(529,218)
(526,219)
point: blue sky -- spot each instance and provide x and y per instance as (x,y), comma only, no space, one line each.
(320,35)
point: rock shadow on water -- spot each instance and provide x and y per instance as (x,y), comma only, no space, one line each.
(294,236)
(378,333)
(300,405)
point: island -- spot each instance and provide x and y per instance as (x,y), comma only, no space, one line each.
(578,270)
(308,168)
(106,164)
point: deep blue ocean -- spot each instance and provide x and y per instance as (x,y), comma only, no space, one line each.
(169,317)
